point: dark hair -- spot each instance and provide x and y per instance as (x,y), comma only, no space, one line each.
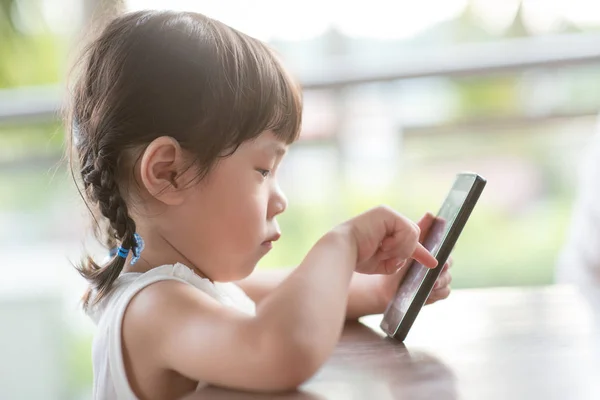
(164,73)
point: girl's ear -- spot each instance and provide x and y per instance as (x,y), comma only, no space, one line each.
(161,170)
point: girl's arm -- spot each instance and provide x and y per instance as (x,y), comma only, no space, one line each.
(368,294)
(363,297)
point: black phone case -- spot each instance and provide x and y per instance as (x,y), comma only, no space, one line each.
(442,256)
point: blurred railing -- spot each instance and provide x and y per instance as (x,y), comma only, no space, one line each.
(42,104)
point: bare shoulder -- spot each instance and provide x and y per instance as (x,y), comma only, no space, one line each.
(160,305)
(152,318)
(169,317)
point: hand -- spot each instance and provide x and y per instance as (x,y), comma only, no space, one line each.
(387,285)
(442,289)
(385,240)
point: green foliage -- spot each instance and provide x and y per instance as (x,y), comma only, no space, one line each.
(28,58)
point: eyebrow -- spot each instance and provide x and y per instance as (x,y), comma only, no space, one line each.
(277,149)
(280,150)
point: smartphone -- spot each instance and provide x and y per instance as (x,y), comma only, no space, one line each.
(443,234)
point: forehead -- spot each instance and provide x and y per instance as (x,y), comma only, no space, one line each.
(268,143)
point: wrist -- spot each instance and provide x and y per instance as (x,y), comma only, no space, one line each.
(343,236)
(365,296)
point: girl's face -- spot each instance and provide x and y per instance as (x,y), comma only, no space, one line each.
(226,223)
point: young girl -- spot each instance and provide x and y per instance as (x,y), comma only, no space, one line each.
(179,124)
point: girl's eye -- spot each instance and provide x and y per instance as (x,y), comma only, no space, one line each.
(264,172)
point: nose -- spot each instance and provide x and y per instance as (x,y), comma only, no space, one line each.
(278,202)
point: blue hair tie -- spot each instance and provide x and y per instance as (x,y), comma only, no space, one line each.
(139,246)
(123,252)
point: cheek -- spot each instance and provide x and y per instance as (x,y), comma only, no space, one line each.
(244,218)
(233,239)
(235,215)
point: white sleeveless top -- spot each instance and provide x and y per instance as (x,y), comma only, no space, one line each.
(110,379)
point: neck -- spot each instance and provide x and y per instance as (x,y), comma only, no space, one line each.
(158,251)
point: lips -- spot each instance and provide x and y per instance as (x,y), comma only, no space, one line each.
(273,238)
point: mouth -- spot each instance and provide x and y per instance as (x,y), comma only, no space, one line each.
(271,239)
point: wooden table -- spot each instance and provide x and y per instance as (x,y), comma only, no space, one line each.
(506,343)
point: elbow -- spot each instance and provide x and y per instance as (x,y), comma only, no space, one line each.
(293,372)
(295,362)
(302,368)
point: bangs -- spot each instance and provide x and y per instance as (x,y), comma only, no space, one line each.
(282,104)
(265,97)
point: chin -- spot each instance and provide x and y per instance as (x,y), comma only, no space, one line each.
(246,271)
(235,274)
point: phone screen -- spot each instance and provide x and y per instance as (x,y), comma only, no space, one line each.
(417,272)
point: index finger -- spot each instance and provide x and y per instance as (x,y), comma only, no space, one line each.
(422,255)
